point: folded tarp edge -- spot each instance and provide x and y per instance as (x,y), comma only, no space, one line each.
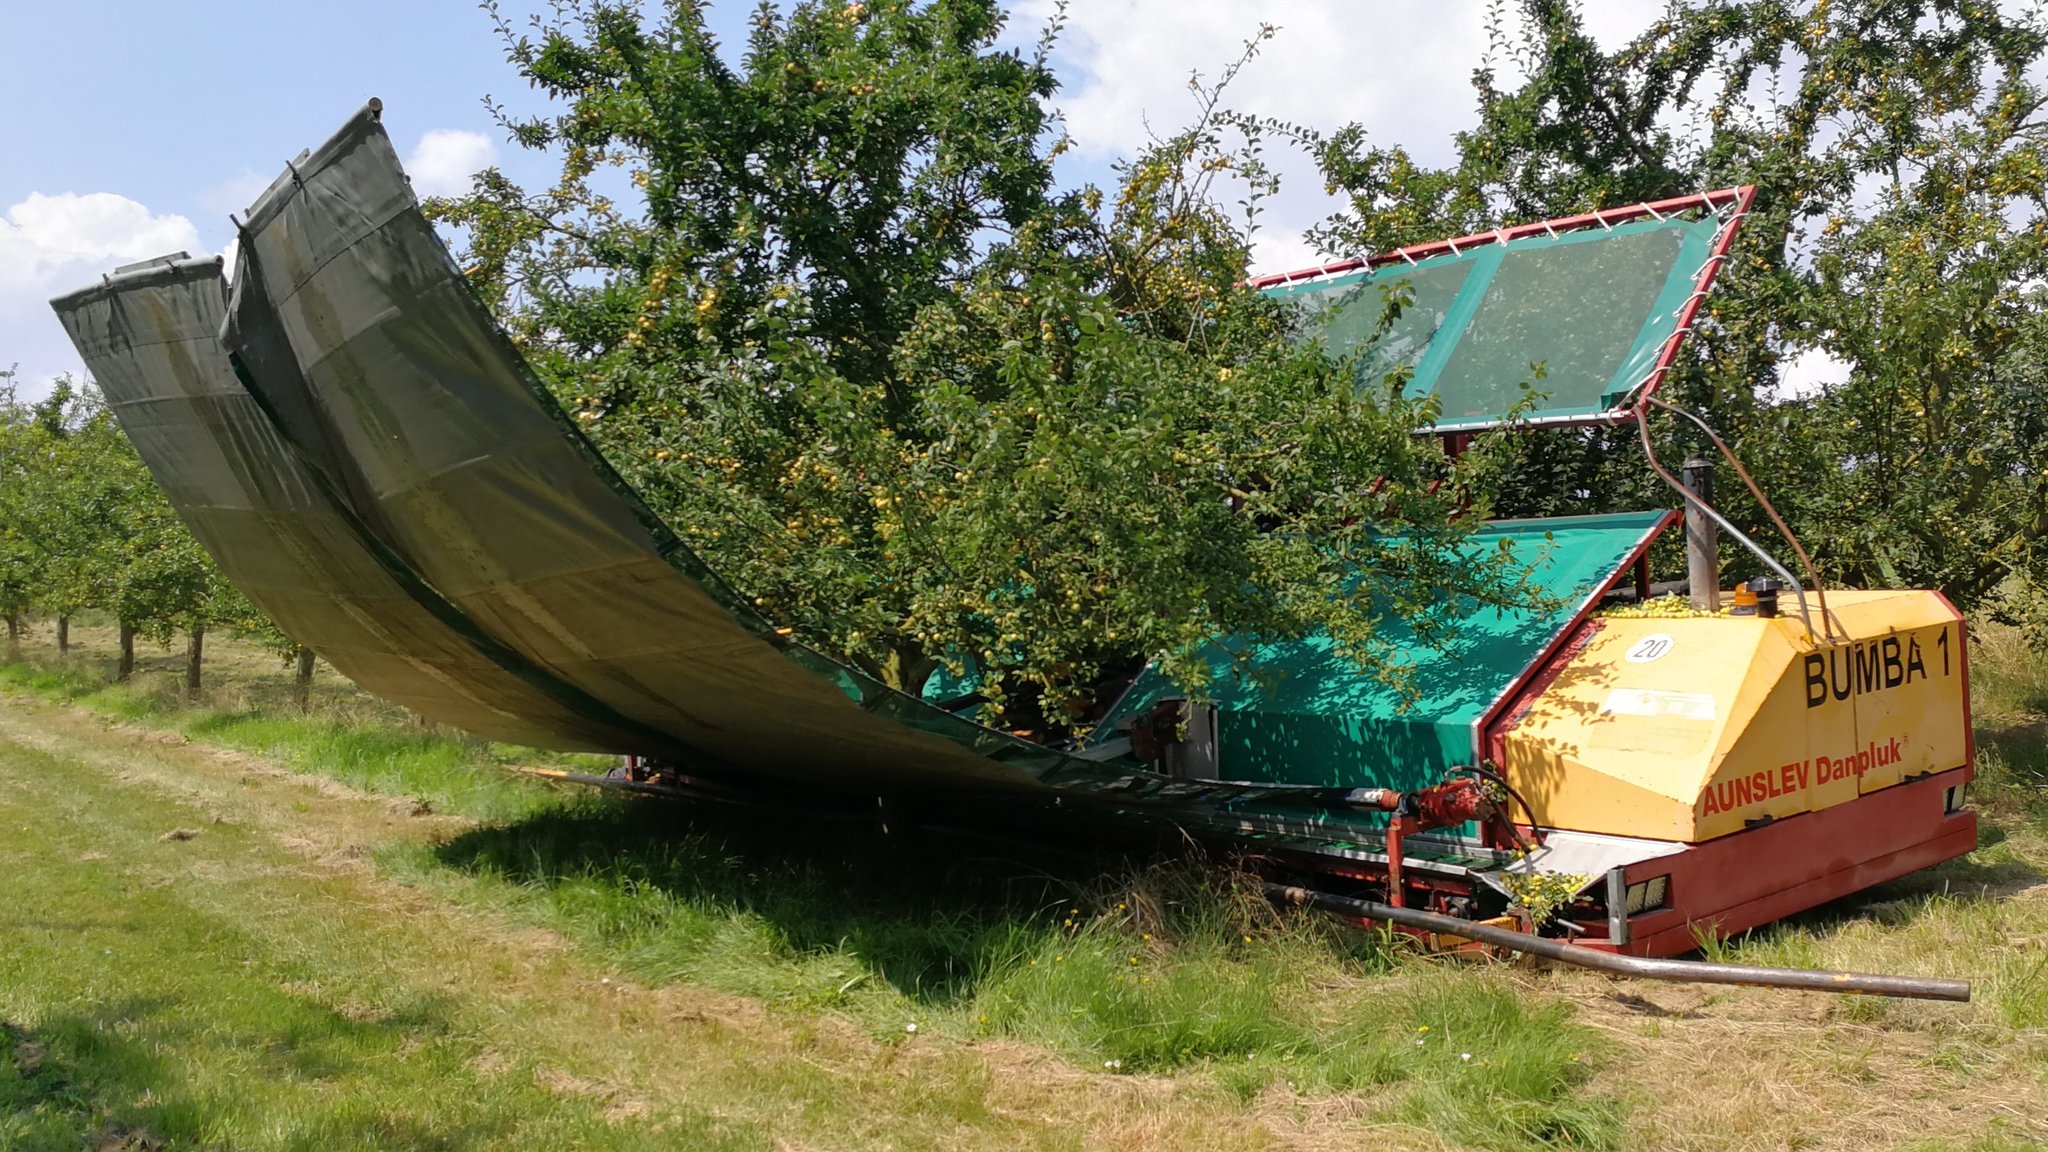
(202,399)
(332,206)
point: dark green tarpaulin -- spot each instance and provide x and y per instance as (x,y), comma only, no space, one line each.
(363,342)
(150,338)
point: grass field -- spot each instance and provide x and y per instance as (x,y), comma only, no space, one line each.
(230,925)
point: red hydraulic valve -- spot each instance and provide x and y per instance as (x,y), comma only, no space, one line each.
(1446,805)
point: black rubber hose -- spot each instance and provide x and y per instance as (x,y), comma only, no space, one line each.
(1500,778)
(1675,971)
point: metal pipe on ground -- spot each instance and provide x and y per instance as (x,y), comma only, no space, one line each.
(1642,968)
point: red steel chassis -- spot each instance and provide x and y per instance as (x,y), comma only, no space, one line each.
(1750,878)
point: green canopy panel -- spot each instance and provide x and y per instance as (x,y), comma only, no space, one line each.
(1581,315)
(1311,716)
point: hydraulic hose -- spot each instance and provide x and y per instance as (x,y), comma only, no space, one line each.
(1675,971)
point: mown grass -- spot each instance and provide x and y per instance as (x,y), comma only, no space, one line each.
(2002,1138)
(2009,690)
(1170,969)
(137,1012)
(346,736)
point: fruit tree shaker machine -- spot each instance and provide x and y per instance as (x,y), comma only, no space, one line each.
(372,462)
(1680,769)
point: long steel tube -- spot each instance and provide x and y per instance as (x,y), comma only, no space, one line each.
(1676,971)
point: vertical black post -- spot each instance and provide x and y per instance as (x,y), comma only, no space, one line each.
(194,656)
(302,682)
(1702,538)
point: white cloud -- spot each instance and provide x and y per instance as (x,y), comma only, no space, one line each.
(53,244)
(45,234)
(1811,372)
(233,195)
(1402,68)
(1128,66)
(445,159)
(1277,250)
(227,258)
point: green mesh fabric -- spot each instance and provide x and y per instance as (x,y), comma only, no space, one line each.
(1353,311)
(1593,308)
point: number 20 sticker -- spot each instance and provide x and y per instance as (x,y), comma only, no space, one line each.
(1651,647)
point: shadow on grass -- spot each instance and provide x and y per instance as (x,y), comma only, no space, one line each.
(44,1101)
(82,1081)
(2015,753)
(1968,879)
(69,683)
(929,913)
(1136,959)
(2022,739)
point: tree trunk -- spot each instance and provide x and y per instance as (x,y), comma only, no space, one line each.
(14,635)
(127,666)
(194,654)
(302,683)
(63,635)
(906,669)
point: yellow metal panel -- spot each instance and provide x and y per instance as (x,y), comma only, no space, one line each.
(1849,718)
(1905,682)
(1690,729)
(1566,793)
(1621,740)
(1768,769)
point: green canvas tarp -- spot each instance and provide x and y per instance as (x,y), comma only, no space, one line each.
(1308,716)
(360,338)
(150,337)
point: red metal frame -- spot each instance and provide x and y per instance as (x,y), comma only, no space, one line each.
(1718,255)
(1710,201)
(1538,673)
(1741,198)
(1747,879)
(1740,881)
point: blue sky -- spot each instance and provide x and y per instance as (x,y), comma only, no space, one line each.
(137,126)
(189,106)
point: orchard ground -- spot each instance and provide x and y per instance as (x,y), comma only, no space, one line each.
(232,924)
